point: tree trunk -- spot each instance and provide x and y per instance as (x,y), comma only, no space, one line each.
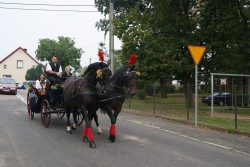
(163,83)
(188,94)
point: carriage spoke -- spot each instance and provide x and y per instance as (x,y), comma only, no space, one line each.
(45,115)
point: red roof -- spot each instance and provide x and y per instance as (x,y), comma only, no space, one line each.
(17,50)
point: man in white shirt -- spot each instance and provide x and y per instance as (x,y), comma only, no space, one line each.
(54,71)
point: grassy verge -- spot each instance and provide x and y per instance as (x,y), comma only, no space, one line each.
(175,106)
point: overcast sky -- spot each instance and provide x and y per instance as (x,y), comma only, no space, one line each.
(25,28)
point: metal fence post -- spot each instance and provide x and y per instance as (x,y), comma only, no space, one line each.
(235,108)
(212,97)
(154,102)
(129,98)
(188,101)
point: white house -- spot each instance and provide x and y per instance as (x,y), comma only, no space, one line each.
(16,64)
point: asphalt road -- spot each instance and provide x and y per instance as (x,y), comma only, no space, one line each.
(141,142)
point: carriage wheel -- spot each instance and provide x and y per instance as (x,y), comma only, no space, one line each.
(30,113)
(45,115)
(79,118)
(60,110)
(60,113)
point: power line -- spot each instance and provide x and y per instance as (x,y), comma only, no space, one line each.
(50,10)
(36,4)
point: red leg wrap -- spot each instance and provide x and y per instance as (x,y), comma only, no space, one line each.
(85,132)
(90,134)
(112,130)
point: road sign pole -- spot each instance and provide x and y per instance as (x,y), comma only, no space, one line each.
(197,53)
(196,94)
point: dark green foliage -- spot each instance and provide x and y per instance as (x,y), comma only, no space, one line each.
(158,31)
(39,69)
(141,94)
(171,89)
(149,89)
(31,74)
(64,48)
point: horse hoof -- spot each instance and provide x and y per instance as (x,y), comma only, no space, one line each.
(92,144)
(85,139)
(69,129)
(112,138)
(99,130)
(74,126)
(100,133)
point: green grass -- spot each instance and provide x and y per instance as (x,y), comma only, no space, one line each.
(175,106)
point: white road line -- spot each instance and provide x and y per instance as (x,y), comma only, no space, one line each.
(168,131)
(21,98)
(185,136)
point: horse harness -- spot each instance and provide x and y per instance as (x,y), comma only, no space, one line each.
(83,81)
(127,75)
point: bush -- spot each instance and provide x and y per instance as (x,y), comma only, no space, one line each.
(31,74)
(149,89)
(141,94)
(180,89)
(171,89)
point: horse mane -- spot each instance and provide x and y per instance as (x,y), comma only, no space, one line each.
(94,66)
(119,71)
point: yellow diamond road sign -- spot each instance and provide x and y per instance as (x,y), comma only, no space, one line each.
(196,52)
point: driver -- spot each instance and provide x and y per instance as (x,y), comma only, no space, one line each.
(54,71)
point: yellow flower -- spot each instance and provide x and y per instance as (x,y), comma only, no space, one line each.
(29,88)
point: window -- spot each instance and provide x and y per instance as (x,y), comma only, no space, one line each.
(20,64)
(5,66)
(8,76)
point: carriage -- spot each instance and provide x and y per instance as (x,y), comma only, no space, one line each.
(82,97)
(46,102)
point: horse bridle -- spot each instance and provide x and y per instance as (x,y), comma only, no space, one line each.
(127,89)
(99,80)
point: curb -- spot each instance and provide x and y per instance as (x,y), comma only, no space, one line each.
(200,125)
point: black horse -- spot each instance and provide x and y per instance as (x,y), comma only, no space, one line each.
(122,81)
(81,94)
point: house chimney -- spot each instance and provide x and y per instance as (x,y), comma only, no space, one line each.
(25,50)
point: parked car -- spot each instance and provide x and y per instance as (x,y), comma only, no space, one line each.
(220,98)
(26,83)
(19,86)
(8,86)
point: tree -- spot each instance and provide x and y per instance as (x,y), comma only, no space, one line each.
(159,32)
(64,49)
(39,69)
(31,74)
(34,72)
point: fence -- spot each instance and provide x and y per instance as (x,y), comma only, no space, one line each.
(225,112)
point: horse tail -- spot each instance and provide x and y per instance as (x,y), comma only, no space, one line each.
(104,109)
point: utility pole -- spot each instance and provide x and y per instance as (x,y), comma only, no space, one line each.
(111,36)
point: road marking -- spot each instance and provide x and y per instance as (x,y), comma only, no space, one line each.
(168,131)
(2,160)
(21,98)
(188,137)
(134,138)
